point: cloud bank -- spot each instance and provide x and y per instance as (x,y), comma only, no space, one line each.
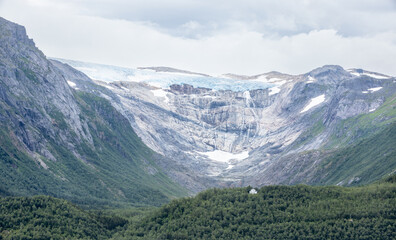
(244,37)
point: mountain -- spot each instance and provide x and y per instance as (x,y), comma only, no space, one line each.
(271,128)
(110,135)
(58,141)
(105,137)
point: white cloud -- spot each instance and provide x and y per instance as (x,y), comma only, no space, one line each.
(292,40)
(350,18)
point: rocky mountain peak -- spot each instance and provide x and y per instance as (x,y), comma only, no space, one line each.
(55,140)
(14,33)
(329,74)
(328,69)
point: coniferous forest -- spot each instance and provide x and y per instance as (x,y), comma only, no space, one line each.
(275,212)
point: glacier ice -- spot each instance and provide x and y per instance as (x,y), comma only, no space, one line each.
(164,80)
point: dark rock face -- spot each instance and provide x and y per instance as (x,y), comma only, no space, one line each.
(188,89)
(35,89)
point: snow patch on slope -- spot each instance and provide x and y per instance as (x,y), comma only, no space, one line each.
(71,84)
(361,72)
(374,89)
(226,157)
(371,90)
(161,94)
(354,73)
(314,102)
(311,79)
(376,76)
(274,90)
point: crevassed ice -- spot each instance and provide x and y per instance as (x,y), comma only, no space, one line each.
(314,102)
(163,79)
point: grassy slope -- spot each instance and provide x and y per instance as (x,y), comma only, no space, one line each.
(360,148)
(131,159)
(118,171)
(366,161)
(363,125)
(276,212)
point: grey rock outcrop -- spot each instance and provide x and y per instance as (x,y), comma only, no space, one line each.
(58,141)
(276,126)
(32,86)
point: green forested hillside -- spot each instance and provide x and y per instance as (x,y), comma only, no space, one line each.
(44,217)
(276,212)
(117,170)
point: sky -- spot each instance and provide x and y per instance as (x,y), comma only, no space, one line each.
(214,36)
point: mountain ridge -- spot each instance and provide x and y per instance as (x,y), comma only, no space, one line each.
(299,112)
(65,143)
(220,133)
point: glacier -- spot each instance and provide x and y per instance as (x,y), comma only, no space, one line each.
(164,80)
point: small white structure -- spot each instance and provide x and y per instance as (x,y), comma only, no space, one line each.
(253,191)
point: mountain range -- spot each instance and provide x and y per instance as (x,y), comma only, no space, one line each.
(113,136)
(271,128)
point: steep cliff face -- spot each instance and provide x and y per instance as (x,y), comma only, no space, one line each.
(269,129)
(55,140)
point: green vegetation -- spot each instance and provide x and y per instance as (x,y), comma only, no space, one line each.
(130,157)
(363,125)
(49,218)
(361,149)
(276,212)
(115,170)
(316,129)
(363,162)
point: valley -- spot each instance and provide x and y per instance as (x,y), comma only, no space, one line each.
(91,151)
(236,130)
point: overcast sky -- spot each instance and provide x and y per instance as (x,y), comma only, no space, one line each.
(214,36)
